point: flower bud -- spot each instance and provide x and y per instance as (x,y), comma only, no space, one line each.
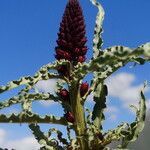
(100,136)
(81,59)
(84,50)
(62,70)
(77,51)
(84,88)
(64,94)
(62,55)
(69,117)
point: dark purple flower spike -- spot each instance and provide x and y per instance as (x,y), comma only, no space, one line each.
(71,37)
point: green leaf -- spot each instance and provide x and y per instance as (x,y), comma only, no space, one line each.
(136,127)
(100,94)
(59,135)
(97,41)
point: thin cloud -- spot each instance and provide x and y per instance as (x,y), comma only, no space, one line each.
(19,144)
(46,86)
(112,117)
(121,86)
(111,109)
(111,112)
(47,103)
(23,144)
(2,136)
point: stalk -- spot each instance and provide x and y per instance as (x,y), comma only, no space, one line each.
(78,111)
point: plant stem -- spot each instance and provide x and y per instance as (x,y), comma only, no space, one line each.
(78,111)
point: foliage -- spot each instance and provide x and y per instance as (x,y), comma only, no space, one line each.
(72,68)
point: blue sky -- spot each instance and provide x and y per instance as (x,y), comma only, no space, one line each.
(28,33)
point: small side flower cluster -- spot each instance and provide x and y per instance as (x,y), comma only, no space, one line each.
(69,117)
(84,88)
(64,95)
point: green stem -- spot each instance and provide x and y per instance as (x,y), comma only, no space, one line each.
(78,111)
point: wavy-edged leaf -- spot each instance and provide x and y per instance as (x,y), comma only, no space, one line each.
(42,138)
(32,118)
(59,135)
(100,94)
(136,127)
(97,41)
(113,58)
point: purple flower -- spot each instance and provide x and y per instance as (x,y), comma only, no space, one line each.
(71,37)
(63,70)
(64,94)
(69,117)
(84,88)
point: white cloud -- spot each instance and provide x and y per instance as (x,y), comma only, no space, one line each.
(111,109)
(2,136)
(111,112)
(47,103)
(148,104)
(19,144)
(121,86)
(46,85)
(23,144)
(112,117)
